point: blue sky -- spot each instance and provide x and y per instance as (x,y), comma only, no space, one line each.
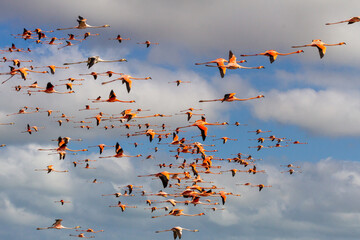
(306,99)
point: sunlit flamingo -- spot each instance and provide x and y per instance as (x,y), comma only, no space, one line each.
(90,230)
(95,59)
(164,177)
(88,34)
(112,98)
(177,231)
(109,73)
(230,97)
(349,21)
(81,235)
(290,166)
(260,186)
(62,201)
(68,44)
(127,79)
(291,171)
(50,169)
(94,74)
(57,225)
(120,153)
(220,64)
(233,64)
(83,25)
(148,43)
(201,125)
(272,54)
(178,212)
(50,89)
(119,38)
(259,131)
(101,147)
(179,81)
(320,46)
(122,206)
(87,107)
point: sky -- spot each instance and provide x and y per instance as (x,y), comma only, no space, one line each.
(307,99)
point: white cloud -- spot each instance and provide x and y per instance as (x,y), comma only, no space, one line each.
(325,112)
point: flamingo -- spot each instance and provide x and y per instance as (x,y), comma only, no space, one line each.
(50,169)
(164,177)
(119,38)
(233,64)
(320,46)
(50,89)
(122,206)
(201,125)
(272,54)
(58,225)
(89,230)
(110,73)
(120,153)
(83,25)
(68,44)
(88,34)
(95,59)
(81,235)
(94,74)
(62,201)
(112,98)
(177,231)
(260,186)
(148,43)
(178,212)
(349,21)
(220,64)
(127,80)
(179,81)
(230,97)
(101,147)
(259,131)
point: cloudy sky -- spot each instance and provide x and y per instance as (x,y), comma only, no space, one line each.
(307,99)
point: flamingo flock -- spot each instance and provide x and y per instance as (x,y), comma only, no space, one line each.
(192,178)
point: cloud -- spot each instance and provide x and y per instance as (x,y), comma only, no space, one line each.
(325,112)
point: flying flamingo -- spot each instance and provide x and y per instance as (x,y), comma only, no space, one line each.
(320,46)
(349,21)
(50,169)
(68,44)
(164,177)
(95,59)
(57,225)
(81,235)
(110,73)
(259,131)
(148,43)
(90,230)
(178,212)
(179,81)
(119,38)
(122,206)
(230,97)
(177,231)
(101,147)
(127,79)
(120,153)
(62,201)
(260,186)
(233,64)
(88,34)
(50,89)
(94,74)
(112,98)
(220,64)
(272,54)
(201,125)
(83,25)
(87,107)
